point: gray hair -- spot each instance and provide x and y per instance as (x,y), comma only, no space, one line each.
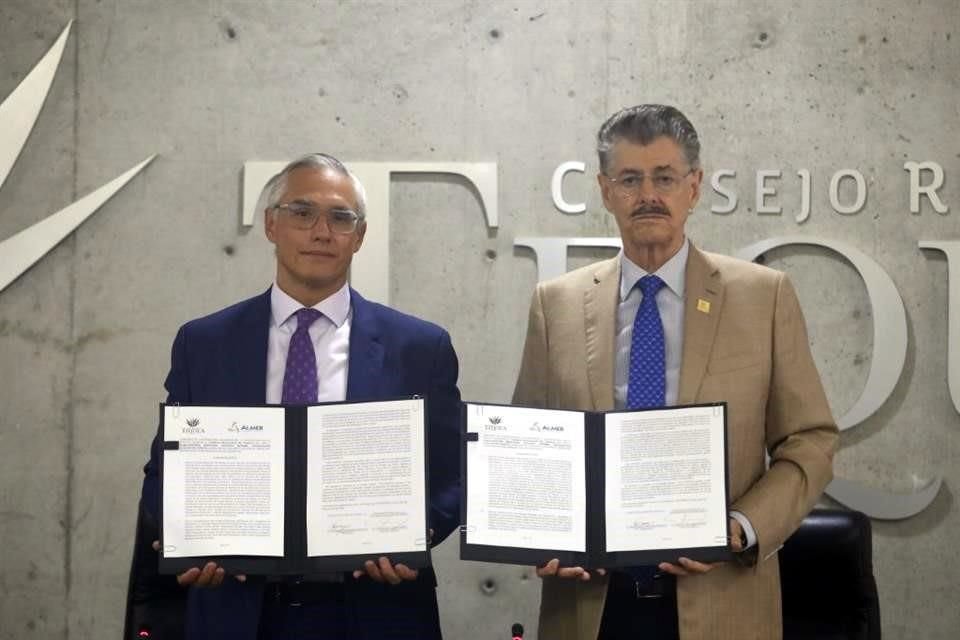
(645,123)
(275,187)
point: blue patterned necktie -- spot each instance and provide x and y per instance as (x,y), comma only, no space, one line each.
(647,386)
(300,375)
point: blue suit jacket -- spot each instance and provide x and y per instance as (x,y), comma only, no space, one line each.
(222,358)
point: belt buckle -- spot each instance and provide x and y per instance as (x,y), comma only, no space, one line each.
(652,592)
(286,593)
(295,602)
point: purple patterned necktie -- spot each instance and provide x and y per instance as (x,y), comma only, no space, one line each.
(300,376)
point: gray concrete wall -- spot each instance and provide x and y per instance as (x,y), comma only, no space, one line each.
(85,334)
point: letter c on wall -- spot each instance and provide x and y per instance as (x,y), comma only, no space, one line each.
(556,187)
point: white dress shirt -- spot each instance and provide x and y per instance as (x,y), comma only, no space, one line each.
(329,333)
(670,304)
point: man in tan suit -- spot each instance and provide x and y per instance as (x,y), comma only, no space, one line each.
(732,331)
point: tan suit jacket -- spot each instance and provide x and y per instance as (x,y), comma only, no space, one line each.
(747,346)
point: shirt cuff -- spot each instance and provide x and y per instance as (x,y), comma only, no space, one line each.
(747,528)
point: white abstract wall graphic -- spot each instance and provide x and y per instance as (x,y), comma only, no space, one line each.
(18,114)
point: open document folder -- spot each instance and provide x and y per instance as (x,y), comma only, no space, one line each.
(294,490)
(611,489)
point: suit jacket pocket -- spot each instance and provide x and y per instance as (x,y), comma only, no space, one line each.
(735,362)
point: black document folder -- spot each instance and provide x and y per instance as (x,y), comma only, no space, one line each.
(294,560)
(595,553)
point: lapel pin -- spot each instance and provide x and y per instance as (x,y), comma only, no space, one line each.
(703,306)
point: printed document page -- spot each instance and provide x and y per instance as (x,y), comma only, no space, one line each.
(366,483)
(665,479)
(223,481)
(526,484)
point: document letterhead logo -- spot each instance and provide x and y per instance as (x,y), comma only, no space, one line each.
(18,114)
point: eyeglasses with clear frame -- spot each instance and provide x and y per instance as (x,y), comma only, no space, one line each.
(664,182)
(304,215)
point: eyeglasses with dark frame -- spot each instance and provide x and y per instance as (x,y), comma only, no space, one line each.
(303,215)
(664,182)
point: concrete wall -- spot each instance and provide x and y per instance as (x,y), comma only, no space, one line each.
(85,334)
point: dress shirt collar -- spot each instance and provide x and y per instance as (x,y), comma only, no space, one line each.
(672,272)
(335,307)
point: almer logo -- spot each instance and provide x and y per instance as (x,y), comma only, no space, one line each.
(18,114)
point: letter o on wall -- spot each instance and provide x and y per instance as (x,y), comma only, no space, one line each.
(861,198)
(889,322)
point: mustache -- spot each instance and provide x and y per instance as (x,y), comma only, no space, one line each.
(647,209)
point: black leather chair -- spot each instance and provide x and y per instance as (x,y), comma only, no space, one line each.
(826,579)
(155,603)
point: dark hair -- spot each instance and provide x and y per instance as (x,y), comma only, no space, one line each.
(645,123)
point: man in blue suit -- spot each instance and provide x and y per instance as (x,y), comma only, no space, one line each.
(314,215)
